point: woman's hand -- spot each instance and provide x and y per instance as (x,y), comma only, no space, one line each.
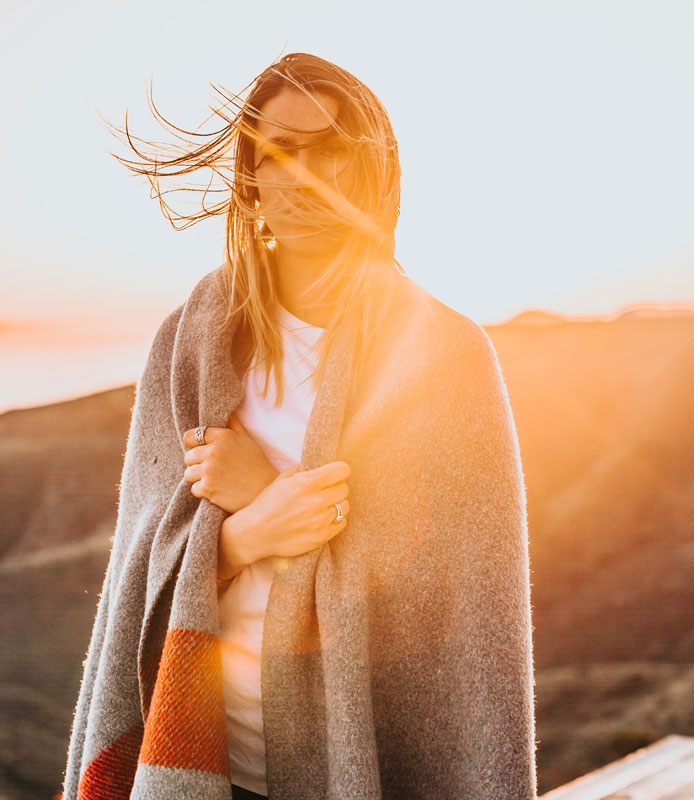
(230,469)
(291,516)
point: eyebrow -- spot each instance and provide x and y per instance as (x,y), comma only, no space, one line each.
(290,138)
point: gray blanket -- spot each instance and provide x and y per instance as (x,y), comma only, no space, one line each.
(397,658)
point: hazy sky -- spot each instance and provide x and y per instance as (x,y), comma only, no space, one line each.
(547,147)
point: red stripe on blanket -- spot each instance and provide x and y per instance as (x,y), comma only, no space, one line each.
(111,774)
(186,726)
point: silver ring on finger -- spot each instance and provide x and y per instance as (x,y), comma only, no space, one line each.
(200,434)
(340,516)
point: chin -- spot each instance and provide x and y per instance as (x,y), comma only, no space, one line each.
(309,242)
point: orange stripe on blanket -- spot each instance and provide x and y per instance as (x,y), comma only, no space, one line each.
(111,774)
(186,725)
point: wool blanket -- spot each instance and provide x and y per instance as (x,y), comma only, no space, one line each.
(397,658)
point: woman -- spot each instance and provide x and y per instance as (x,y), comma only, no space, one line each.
(319,580)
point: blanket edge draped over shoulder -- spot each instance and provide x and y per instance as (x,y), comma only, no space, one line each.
(396,659)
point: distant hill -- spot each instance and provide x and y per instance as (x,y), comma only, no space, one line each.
(59,471)
(604,412)
(535,318)
(60,466)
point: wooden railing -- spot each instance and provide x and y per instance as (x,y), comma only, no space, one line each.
(662,771)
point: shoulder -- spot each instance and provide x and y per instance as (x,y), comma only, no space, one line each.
(168,327)
(164,338)
(451,336)
(470,379)
(207,292)
(451,368)
(157,370)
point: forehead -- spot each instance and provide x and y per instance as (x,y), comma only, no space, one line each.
(303,114)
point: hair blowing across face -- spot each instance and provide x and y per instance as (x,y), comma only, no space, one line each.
(360,278)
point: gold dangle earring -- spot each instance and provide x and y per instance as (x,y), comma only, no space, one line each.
(261,227)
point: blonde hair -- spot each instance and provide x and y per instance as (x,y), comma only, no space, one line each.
(362,274)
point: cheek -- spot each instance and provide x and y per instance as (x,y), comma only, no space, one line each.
(273,210)
(269,199)
(347,183)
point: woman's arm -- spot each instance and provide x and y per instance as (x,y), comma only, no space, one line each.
(286,514)
(291,516)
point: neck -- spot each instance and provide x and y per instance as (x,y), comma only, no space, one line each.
(296,270)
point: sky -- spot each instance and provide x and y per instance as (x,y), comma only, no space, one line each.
(546,148)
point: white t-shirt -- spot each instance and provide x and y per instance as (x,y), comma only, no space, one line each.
(280,432)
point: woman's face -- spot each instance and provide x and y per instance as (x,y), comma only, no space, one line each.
(299,150)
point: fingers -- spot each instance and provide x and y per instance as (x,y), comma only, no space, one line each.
(211,434)
(328,474)
(196,455)
(198,489)
(332,511)
(193,473)
(289,471)
(335,493)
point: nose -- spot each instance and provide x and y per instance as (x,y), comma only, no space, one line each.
(299,168)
